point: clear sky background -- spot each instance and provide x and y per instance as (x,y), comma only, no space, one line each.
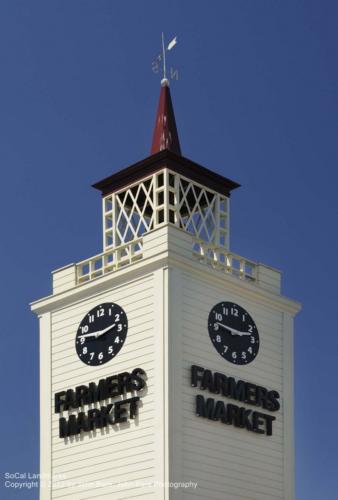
(256,101)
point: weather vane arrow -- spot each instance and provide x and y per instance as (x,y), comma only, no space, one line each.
(162,58)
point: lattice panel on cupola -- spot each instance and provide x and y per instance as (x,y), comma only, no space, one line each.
(135,211)
(198,210)
(132,212)
(162,198)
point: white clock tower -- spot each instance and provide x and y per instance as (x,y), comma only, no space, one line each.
(166,361)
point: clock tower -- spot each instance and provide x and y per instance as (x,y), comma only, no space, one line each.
(166,361)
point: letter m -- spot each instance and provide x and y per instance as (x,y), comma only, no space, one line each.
(205,408)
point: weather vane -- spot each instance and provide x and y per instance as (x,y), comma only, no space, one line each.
(161,58)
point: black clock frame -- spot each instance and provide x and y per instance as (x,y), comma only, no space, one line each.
(98,350)
(233,333)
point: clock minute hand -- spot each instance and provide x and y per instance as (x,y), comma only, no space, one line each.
(88,335)
(225,327)
(98,333)
(233,331)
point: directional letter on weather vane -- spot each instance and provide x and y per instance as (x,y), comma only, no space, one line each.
(160,61)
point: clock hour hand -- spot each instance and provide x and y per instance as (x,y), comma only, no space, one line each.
(232,330)
(98,333)
(85,335)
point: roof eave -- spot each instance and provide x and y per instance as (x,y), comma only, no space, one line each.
(162,159)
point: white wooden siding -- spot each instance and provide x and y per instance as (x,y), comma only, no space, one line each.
(128,452)
(227,463)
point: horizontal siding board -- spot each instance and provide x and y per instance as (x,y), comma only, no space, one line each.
(265,462)
(66,271)
(98,470)
(76,375)
(252,471)
(139,493)
(63,279)
(147,494)
(121,492)
(216,293)
(269,280)
(207,490)
(140,473)
(228,476)
(83,305)
(233,485)
(203,493)
(143,446)
(121,292)
(223,436)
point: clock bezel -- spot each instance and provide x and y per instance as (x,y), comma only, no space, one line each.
(231,339)
(100,344)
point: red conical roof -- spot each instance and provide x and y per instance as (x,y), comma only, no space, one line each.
(165,132)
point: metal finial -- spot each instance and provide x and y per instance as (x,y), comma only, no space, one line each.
(163,51)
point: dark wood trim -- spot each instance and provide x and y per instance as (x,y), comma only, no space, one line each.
(168,159)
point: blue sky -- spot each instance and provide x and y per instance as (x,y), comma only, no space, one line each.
(256,101)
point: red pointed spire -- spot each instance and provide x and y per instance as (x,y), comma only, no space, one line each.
(165,132)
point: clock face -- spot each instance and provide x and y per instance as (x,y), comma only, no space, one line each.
(233,333)
(101,334)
